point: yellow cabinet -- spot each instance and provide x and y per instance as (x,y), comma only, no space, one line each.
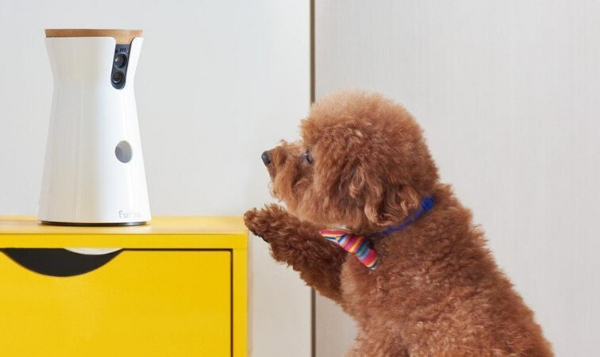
(176,288)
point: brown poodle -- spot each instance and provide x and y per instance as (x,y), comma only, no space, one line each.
(433,288)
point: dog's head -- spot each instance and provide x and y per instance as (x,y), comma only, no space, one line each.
(362,163)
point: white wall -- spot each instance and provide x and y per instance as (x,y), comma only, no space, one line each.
(509,95)
(218,82)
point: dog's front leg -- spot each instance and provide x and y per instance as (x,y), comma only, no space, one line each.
(300,245)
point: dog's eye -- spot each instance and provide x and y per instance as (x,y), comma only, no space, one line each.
(308,157)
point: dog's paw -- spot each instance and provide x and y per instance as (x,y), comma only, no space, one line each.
(251,221)
(259,222)
(268,222)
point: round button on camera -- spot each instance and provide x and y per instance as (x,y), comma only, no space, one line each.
(123,152)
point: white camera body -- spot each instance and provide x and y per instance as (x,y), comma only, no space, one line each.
(94,167)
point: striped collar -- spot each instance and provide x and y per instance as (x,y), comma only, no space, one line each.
(362,246)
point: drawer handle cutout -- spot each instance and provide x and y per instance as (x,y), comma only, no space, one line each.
(57,262)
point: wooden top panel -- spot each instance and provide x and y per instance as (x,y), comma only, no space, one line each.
(123,37)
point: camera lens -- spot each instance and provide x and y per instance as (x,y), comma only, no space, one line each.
(117,77)
(120,61)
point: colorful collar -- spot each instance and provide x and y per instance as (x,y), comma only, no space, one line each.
(362,246)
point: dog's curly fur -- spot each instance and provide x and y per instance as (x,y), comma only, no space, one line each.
(363,164)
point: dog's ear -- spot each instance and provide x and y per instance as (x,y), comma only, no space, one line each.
(384,204)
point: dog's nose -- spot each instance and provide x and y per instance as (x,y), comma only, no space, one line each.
(266,157)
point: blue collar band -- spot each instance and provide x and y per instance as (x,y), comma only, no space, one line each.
(426,205)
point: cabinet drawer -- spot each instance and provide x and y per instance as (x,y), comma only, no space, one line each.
(141,303)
